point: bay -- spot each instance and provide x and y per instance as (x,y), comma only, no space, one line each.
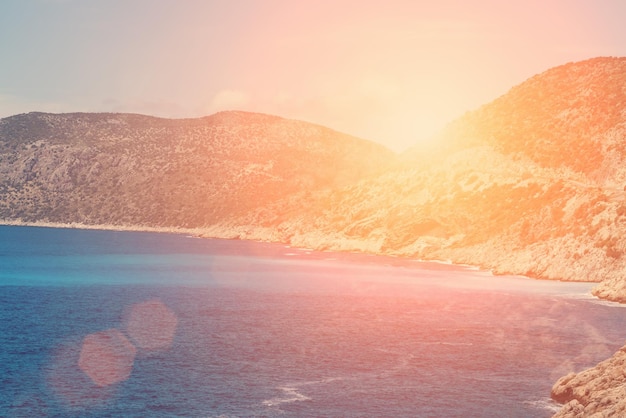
(246,329)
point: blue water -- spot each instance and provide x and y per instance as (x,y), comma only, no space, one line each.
(263,330)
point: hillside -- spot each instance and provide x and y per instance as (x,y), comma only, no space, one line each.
(532,183)
(125,169)
(527,184)
(572,116)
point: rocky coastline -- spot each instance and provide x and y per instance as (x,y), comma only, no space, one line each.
(530,184)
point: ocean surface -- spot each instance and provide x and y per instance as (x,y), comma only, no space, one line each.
(103,323)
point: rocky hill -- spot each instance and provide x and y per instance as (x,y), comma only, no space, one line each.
(570,117)
(532,183)
(134,170)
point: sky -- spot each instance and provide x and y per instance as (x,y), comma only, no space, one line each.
(392,71)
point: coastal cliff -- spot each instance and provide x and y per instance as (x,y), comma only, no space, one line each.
(598,391)
(532,183)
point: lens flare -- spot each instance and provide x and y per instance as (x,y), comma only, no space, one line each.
(107,357)
(73,388)
(84,373)
(151,325)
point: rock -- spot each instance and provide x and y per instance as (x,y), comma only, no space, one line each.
(599,391)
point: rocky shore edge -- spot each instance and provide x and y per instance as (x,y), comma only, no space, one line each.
(599,391)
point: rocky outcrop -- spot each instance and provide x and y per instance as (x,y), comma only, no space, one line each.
(596,392)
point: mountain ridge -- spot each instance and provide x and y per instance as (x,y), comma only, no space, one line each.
(575,104)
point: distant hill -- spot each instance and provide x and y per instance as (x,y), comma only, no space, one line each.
(125,169)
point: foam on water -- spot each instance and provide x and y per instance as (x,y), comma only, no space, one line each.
(291,392)
(544,404)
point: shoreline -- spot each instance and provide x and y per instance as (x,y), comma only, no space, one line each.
(394,260)
(203,233)
(102,227)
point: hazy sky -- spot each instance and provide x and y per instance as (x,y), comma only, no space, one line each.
(388,70)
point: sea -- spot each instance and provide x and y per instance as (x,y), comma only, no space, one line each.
(138,324)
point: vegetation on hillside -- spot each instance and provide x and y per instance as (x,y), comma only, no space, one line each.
(531,183)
